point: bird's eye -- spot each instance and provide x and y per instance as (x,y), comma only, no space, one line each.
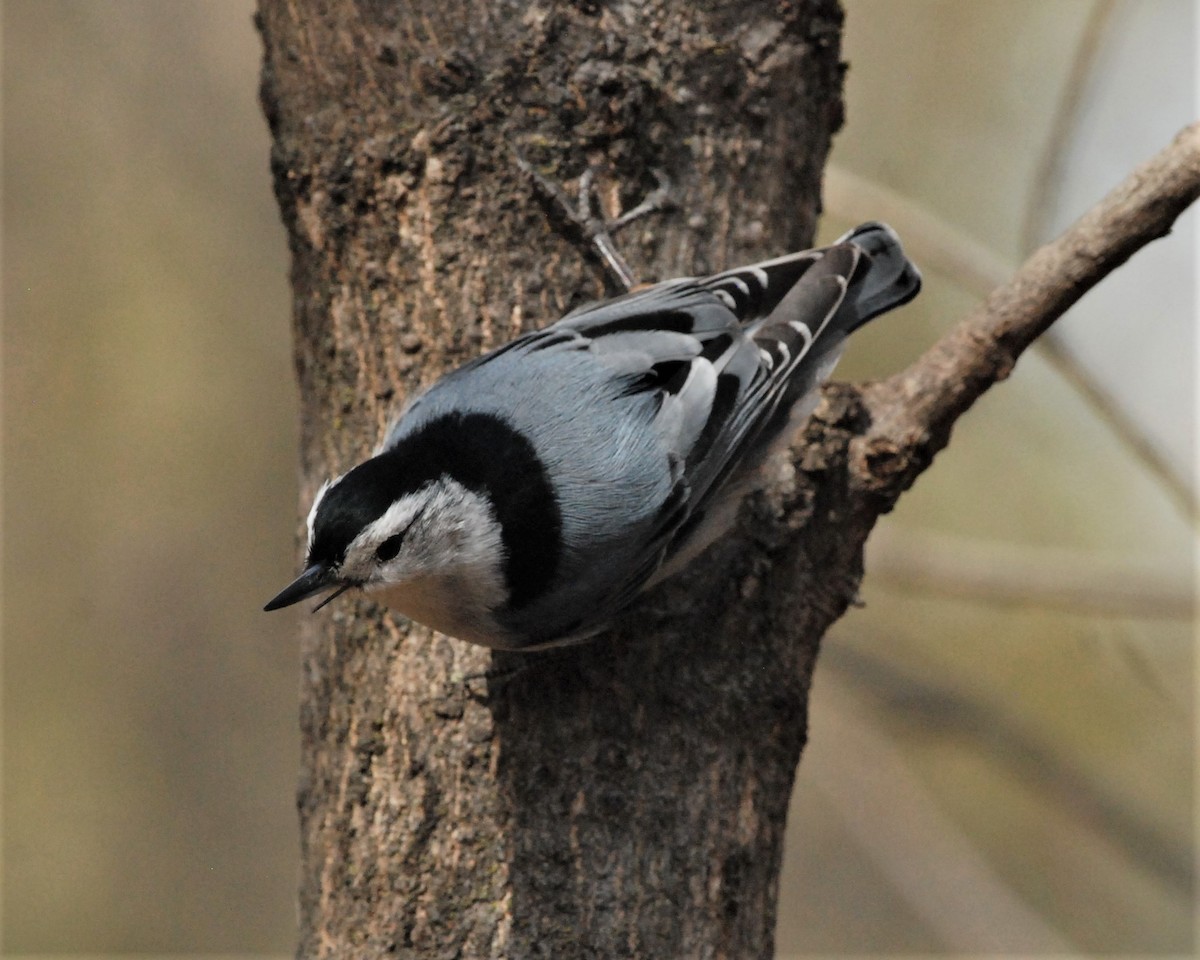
(390,547)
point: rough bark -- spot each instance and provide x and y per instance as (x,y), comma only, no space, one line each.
(627,797)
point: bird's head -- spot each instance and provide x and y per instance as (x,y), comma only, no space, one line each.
(371,529)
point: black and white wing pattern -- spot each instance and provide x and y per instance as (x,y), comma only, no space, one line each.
(729,356)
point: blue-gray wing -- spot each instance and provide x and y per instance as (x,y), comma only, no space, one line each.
(727,357)
(730,359)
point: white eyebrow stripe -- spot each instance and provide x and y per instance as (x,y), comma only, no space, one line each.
(312,511)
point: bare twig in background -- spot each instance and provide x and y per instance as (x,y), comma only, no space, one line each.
(1049,171)
(1036,760)
(1035,228)
(1109,409)
(929,861)
(1005,573)
(933,243)
(914,411)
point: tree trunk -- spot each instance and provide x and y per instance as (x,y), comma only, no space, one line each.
(625,797)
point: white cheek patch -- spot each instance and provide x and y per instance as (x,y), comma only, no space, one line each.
(459,527)
(449,569)
(454,527)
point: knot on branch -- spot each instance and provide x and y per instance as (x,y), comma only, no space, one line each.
(840,416)
(887,451)
(885,467)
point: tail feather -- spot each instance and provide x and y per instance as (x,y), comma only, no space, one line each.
(884,277)
(862,275)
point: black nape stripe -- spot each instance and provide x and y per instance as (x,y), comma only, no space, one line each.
(484,454)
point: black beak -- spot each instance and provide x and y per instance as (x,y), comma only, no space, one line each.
(313,580)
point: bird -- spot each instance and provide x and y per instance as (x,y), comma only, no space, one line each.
(529,497)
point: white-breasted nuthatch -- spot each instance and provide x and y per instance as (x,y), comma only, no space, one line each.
(530,496)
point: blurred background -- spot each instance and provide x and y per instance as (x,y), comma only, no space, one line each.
(1002,749)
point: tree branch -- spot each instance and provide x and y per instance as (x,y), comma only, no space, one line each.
(913,412)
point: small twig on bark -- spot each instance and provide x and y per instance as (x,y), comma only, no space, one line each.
(941,248)
(1107,406)
(591,224)
(913,412)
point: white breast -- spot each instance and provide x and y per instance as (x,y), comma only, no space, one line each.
(457,604)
